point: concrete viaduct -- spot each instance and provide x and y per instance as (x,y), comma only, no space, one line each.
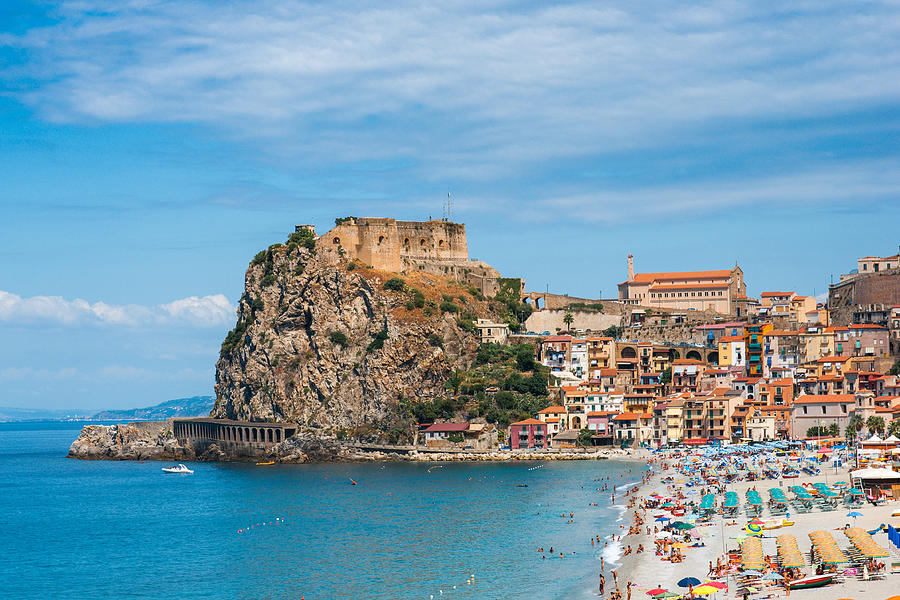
(238,437)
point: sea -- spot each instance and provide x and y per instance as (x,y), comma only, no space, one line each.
(104,529)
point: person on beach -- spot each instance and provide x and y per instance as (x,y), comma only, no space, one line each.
(602,583)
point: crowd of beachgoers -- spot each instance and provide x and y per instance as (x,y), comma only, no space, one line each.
(750,522)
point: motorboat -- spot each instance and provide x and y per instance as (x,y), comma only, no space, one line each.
(178,469)
(813,581)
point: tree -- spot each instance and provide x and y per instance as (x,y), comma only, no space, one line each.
(875,424)
(816,431)
(894,428)
(525,357)
(614,332)
(834,430)
(584,437)
(568,319)
(895,370)
(854,427)
(666,376)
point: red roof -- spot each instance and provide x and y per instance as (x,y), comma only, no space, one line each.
(558,338)
(688,286)
(529,422)
(773,294)
(448,427)
(631,416)
(826,399)
(833,359)
(650,277)
(552,410)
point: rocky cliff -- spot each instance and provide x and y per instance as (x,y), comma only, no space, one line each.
(334,345)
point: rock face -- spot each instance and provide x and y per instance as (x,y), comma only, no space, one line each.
(321,343)
(147,440)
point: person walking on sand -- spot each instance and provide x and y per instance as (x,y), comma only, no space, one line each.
(602,583)
(628,590)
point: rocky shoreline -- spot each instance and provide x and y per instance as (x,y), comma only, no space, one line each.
(154,440)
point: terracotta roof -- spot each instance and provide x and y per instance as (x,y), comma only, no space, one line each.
(558,338)
(439,427)
(608,372)
(631,416)
(732,338)
(687,286)
(528,422)
(650,277)
(552,410)
(833,359)
(772,294)
(553,420)
(825,399)
(687,361)
(864,326)
(601,413)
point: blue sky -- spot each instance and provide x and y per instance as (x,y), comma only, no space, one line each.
(149,149)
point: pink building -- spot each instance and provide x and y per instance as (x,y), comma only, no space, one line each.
(529,433)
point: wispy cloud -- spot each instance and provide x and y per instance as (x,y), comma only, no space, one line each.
(458,84)
(206,311)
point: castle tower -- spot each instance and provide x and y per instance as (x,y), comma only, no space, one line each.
(630,267)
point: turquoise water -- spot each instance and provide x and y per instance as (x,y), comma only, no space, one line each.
(75,529)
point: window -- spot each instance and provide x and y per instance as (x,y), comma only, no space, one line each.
(804,410)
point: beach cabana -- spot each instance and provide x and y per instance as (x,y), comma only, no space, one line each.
(752,555)
(864,544)
(789,554)
(825,549)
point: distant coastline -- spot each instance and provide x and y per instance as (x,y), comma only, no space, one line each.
(193,406)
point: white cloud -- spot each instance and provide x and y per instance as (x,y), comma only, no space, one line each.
(206,311)
(459,85)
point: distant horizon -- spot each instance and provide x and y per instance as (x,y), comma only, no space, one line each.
(150,150)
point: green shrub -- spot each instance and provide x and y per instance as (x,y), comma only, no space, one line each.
(418,298)
(259,258)
(378,340)
(234,337)
(467,325)
(351,266)
(436,340)
(447,298)
(449,307)
(267,280)
(339,338)
(303,238)
(410,305)
(256,305)
(394,284)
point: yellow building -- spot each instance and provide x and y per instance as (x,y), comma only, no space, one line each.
(732,351)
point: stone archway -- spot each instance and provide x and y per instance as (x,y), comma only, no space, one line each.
(694,355)
(713,358)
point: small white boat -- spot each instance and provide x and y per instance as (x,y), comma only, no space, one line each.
(178,469)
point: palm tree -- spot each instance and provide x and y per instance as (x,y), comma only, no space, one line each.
(875,424)
(854,427)
(568,319)
(894,428)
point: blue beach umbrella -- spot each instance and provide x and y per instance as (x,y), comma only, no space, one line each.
(854,514)
(688,582)
(663,519)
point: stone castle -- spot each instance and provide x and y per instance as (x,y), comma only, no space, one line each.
(438,247)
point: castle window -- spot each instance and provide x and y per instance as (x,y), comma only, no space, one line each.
(440,243)
(380,239)
(406,242)
(422,243)
(336,241)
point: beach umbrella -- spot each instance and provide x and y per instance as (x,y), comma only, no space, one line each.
(666,595)
(705,590)
(688,582)
(682,525)
(663,519)
(656,592)
(757,522)
(772,577)
(717,584)
(679,545)
(753,528)
(854,514)
(750,573)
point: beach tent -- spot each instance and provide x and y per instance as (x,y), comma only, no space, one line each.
(868,474)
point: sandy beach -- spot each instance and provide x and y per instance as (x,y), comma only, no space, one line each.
(648,571)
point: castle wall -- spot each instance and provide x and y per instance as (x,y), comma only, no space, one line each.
(436,247)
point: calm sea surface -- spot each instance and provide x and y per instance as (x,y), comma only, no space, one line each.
(75,529)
